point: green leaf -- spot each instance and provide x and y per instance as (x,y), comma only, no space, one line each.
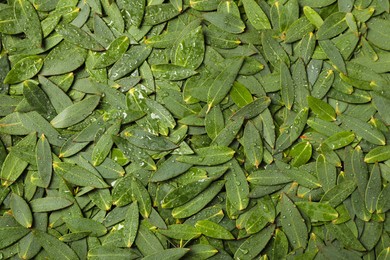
(225,21)
(322,109)
(301,154)
(134,10)
(25,68)
(54,247)
(326,173)
(63,58)
(21,211)
(333,55)
(378,154)
(48,204)
(237,189)
(180,231)
(333,25)
(79,224)
(339,193)
(344,234)
(378,33)
(78,175)
(214,122)
(171,71)
(252,246)
(189,50)
(317,211)
(298,30)
(10,231)
(183,194)
(199,202)
(287,88)
(113,53)
(105,252)
(76,112)
(209,156)
(78,37)
(373,189)
(171,253)
(253,144)
(339,140)
(363,129)
(129,61)
(28,20)
(103,146)
(222,83)
(11,169)
(213,230)
(293,224)
(256,15)
(159,13)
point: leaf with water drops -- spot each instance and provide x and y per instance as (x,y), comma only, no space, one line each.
(25,68)
(21,211)
(293,223)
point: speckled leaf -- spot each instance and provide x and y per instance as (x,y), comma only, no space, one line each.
(322,109)
(340,140)
(159,13)
(317,211)
(54,247)
(212,155)
(171,72)
(65,57)
(225,21)
(25,68)
(293,224)
(333,25)
(190,50)
(253,144)
(183,194)
(326,172)
(222,84)
(48,204)
(134,10)
(345,235)
(79,224)
(76,112)
(78,175)
(103,146)
(339,193)
(373,189)
(44,161)
(363,129)
(180,231)
(213,230)
(256,15)
(378,154)
(28,20)
(333,55)
(113,53)
(78,37)
(199,202)
(21,211)
(252,246)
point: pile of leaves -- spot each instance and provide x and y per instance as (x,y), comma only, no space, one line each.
(195,129)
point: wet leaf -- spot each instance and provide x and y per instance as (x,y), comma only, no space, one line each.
(212,155)
(213,230)
(21,211)
(25,68)
(318,211)
(78,175)
(76,112)
(293,223)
